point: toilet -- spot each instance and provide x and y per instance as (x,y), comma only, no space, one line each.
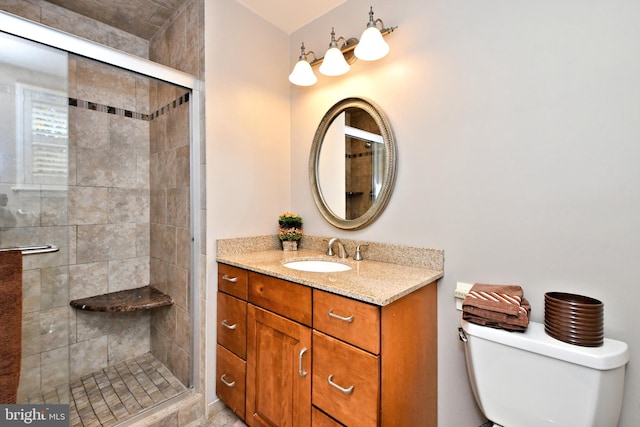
(533,380)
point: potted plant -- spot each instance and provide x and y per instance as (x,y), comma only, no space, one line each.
(289,230)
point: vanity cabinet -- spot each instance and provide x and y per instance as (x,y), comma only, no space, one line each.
(314,358)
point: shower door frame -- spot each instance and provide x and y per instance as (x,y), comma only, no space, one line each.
(44,35)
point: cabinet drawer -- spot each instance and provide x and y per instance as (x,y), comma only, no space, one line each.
(280,296)
(232,280)
(355,322)
(345,381)
(230,380)
(232,324)
(320,419)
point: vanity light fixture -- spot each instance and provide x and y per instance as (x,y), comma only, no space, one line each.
(372,46)
(333,63)
(302,74)
(338,57)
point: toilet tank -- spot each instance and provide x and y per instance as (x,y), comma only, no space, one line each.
(532,380)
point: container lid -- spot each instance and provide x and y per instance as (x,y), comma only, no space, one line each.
(612,354)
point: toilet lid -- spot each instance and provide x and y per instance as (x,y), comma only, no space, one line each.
(612,354)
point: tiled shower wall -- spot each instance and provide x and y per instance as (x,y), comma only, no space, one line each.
(180,45)
(109,205)
(130,205)
(170,231)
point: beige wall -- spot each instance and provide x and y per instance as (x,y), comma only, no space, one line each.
(517,154)
(248,160)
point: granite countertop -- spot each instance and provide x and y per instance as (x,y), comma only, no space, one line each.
(375,282)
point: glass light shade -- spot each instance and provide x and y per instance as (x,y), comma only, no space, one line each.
(334,63)
(372,45)
(302,74)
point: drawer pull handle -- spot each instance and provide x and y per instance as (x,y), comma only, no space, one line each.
(342,389)
(230,279)
(335,316)
(223,378)
(228,326)
(300,371)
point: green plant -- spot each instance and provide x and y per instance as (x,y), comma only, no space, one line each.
(290,226)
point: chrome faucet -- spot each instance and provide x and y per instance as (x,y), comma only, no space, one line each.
(341,250)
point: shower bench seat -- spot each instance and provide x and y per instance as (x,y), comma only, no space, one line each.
(144,298)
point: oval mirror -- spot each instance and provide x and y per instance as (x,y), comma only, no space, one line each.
(352,166)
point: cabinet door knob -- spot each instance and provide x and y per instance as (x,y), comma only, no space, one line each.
(223,378)
(230,279)
(348,390)
(228,326)
(344,319)
(301,372)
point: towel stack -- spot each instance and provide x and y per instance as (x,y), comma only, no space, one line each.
(497,306)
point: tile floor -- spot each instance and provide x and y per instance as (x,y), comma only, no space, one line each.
(118,392)
(225,418)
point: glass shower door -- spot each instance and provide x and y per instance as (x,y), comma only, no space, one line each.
(34,172)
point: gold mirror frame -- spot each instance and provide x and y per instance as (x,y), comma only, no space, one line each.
(389,168)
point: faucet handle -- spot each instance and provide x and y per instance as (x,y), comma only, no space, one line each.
(358,255)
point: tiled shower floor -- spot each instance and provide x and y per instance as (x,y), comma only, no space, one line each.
(118,392)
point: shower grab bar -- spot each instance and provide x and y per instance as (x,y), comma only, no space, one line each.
(32,250)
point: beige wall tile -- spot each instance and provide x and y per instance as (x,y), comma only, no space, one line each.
(128,134)
(53,329)
(178,127)
(88,279)
(54,287)
(183,172)
(178,207)
(106,242)
(159,206)
(88,205)
(183,248)
(88,356)
(55,368)
(163,243)
(128,273)
(30,376)
(106,85)
(31,282)
(129,205)
(143,240)
(129,343)
(88,128)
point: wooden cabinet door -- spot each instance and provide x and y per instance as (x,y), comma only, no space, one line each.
(278,371)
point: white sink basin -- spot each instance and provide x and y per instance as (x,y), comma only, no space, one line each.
(317,266)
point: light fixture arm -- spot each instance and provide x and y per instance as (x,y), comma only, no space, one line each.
(374,23)
(334,42)
(347,46)
(304,56)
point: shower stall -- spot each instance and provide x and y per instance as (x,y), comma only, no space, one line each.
(99,169)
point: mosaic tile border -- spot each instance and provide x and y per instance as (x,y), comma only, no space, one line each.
(354,156)
(94,106)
